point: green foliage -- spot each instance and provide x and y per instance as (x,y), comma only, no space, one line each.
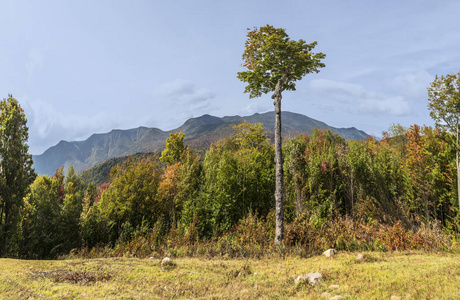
(393,194)
(93,229)
(239,177)
(295,176)
(430,162)
(131,197)
(174,148)
(42,217)
(100,174)
(270,54)
(16,173)
(70,226)
(444,101)
(357,178)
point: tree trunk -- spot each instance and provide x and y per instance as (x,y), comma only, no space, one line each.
(458,168)
(279,164)
(5,231)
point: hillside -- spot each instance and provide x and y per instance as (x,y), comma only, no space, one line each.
(199,133)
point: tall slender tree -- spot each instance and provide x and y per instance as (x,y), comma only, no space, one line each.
(274,63)
(16,173)
(444,106)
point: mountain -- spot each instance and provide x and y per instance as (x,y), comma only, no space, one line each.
(199,132)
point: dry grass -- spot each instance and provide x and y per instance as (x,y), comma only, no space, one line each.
(380,275)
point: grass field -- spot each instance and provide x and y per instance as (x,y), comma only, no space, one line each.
(380,275)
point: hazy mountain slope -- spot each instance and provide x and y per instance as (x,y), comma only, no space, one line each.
(98,148)
(199,133)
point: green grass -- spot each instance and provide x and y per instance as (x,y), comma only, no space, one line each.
(409,275)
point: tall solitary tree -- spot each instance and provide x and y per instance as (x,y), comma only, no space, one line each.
(444,106)
(273,63)
(16,173)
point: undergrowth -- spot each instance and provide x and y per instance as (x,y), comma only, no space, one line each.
(253,237)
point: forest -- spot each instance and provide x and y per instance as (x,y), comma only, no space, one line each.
(395,193)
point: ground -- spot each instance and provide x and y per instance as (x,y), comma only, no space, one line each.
(379,275)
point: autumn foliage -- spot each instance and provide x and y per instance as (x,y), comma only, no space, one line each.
(380,195)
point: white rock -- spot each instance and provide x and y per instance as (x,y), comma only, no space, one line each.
(360,256)
(312,278)
(166,261)
(300,278)
(330,252)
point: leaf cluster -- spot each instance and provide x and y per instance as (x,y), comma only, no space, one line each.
(271,55)
(444,101)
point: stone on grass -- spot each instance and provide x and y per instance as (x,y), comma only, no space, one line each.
(166,262)
(360,256)
(330,252)
(334,286)
(311,278)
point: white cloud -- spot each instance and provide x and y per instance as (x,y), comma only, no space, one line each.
(396,106)
(256,106)
(413,85)
(47,125)
(357,95)
(184,92)
(180,100)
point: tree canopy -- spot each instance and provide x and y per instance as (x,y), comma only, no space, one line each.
(444,106)
(272,58)
(444,101)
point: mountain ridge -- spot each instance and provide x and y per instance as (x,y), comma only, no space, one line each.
(200,132)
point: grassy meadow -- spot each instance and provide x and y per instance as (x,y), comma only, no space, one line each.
(380,275)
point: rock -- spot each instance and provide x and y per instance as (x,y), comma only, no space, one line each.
(334,286)
(330,252)
(166,262)
(300,278)
(151,257)
(360,256)
(312,278)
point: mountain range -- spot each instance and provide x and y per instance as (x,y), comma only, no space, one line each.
(199,132)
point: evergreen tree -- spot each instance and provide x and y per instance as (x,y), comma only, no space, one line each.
(16,173)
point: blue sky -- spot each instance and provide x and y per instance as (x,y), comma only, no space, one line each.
(83,67)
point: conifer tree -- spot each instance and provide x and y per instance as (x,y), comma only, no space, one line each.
(16,173)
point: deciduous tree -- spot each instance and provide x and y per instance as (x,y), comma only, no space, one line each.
(274,63)
(444,104)
(174,148)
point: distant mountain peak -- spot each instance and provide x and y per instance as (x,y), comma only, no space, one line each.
(199,132)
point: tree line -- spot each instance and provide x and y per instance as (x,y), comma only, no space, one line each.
(409,176)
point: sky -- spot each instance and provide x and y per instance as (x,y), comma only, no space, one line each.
(84,67)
